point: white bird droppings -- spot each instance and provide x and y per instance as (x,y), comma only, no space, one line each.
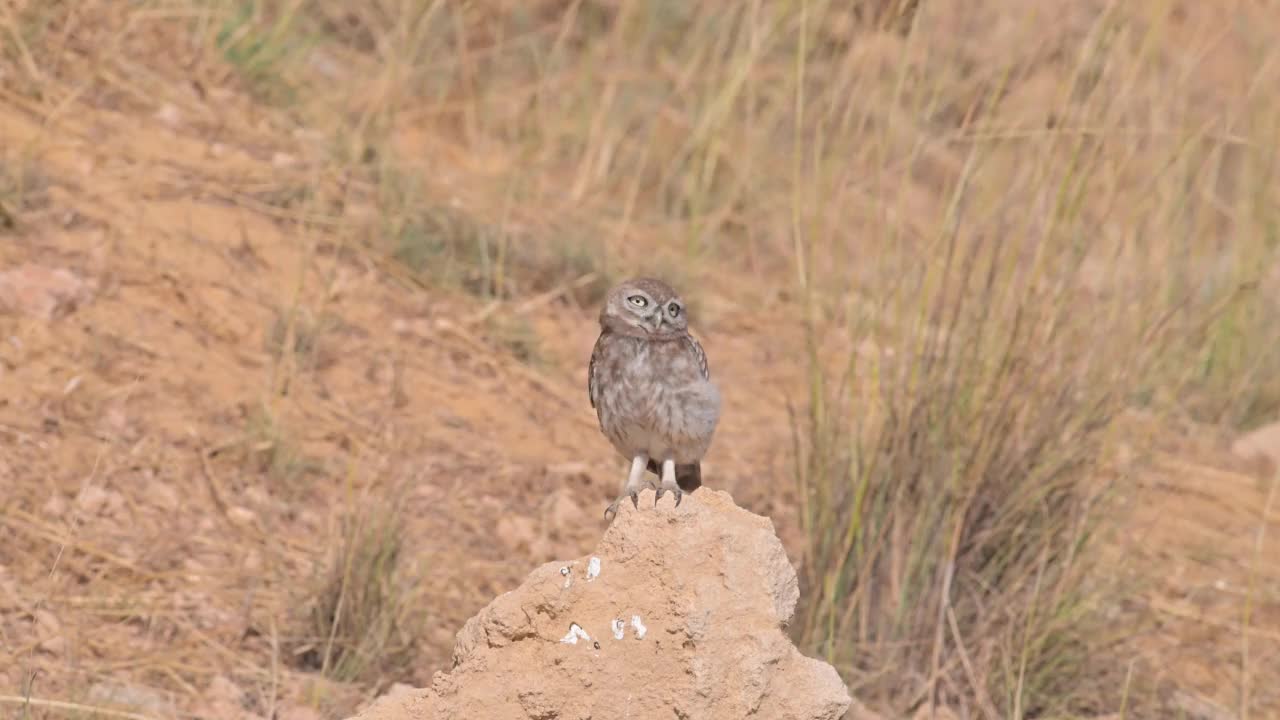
(593,568)
(639,627)
(575,632)
(619,628)
(568,578)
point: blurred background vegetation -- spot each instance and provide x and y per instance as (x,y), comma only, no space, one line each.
(1002,227)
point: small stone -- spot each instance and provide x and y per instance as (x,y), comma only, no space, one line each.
(42,292)
(1261,444)
(169,114)
(96,500)
(252,562)
(429,493)
(115,504)
(257,496)
(131,696)
(399,688)
(55,506)
(92,499)
(241,516)
(114,420)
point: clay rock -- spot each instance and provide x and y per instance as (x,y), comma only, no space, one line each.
(679,613)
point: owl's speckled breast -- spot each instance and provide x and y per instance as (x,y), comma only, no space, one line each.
(652,398)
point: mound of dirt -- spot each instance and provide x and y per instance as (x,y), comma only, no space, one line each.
(679,613)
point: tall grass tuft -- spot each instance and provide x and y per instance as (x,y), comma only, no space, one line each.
(946,490)
(363,625)
(947,456)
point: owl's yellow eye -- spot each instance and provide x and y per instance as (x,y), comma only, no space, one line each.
(638,300)
(674,309)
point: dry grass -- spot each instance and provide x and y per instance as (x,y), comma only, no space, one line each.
(948,471)
(23,191)
(363,623)
(1010,221)
(948,494)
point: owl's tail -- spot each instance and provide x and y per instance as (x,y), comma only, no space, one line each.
(688,477)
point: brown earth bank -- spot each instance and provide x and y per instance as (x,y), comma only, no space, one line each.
(214,384)
(678,612)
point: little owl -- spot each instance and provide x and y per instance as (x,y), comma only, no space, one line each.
(649,384)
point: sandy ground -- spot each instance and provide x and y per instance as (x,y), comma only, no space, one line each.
(157,527)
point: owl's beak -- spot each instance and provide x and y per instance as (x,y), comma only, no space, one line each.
(657,321)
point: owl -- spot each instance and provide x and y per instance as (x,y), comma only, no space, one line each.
(652,392)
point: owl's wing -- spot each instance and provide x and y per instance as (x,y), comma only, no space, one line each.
(700,354)
(592,383)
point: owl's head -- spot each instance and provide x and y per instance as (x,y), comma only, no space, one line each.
(644,307)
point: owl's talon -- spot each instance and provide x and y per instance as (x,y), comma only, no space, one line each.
(673,488)
(612,511)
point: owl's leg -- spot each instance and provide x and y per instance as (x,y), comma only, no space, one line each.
(668,482)
(631,488)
